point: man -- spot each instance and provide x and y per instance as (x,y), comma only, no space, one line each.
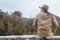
(45,23)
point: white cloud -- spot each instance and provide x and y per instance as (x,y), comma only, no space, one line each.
(30,7)
(6,0)
(53,4)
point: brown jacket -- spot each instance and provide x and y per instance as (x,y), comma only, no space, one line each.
(45,24)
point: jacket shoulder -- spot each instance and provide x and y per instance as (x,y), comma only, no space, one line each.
(37,15)
(51,15)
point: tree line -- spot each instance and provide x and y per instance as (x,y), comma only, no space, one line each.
(15,24)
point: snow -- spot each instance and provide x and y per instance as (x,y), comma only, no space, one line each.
(26,36)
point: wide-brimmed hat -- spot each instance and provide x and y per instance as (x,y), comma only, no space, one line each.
(45,7)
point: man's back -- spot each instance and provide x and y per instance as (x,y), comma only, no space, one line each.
(44,23)
(44,19)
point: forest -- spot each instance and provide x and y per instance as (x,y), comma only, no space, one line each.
(15,24)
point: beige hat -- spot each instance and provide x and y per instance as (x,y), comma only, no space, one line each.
(45,7)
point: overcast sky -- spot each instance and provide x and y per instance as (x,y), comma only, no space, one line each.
(29,8)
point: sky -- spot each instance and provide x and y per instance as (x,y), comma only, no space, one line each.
(30,8)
